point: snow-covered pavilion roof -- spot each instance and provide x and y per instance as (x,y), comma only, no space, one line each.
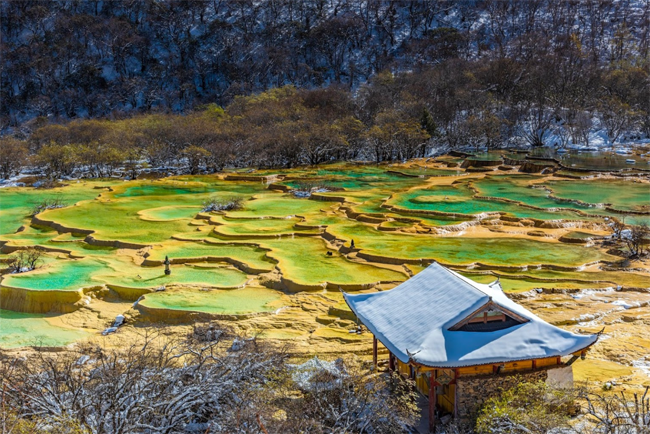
(415,318)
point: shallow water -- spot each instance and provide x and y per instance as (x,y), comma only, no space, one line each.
(272,234)
(171,213)
(225,302)
(603,161)
(306,261)
(464,250)
(622,195)
(524,284)
(154,277)
(61,274)
(17,203)
(459,198)
(276,205)
(19,329)
(249,254)
(116,215)
(253,227)
(71,275)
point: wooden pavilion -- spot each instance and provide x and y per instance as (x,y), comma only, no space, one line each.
(462,341)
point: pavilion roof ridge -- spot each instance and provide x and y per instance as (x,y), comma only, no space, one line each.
(415,322)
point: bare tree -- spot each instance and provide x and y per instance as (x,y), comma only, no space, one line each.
(618,414)
(637,239)
(357,402)
(13,155)
(48,203)
(618,226)
(155,385)
(536,127)
(537,408)
(196,157)
(616,117)
(210,382)
(24,260)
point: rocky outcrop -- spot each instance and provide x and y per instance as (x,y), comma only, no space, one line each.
(535,167)
(480,163)
(279,187)
(127,293)
(324,198)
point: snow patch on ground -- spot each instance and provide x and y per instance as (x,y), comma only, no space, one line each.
(14,181)
(643,364)
(625,304)
(119,320)
(591,293)
(319,374)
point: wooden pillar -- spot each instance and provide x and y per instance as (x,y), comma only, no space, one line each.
(432,401)
(374,351)
(455,393)
(391,362)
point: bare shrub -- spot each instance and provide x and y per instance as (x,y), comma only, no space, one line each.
(48,203)
(154,385)
(209,332)
(638,239)
(310,186)
(232,203)
(201,383)
(537,408)
(24,260)
(357,402)
(530,408)
(306,188)
(618,413)
(618,226)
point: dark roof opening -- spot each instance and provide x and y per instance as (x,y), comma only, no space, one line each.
(490,326)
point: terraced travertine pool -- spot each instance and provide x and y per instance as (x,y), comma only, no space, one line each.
(244,301)
(29,329)
(495,251)
(276,265)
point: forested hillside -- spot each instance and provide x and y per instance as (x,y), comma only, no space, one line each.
(382,80)
(92,58)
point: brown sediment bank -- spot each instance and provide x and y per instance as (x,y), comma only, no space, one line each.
(178,316)
(295,287)
(8,248)
(324,198)
(264,235)
(246,268)
(258,178)
(42,301)
(371,218)
(38,221)
(129,294)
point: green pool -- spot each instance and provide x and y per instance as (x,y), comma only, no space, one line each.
(19,329)
(225,302)
(275,238)
(464,250)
